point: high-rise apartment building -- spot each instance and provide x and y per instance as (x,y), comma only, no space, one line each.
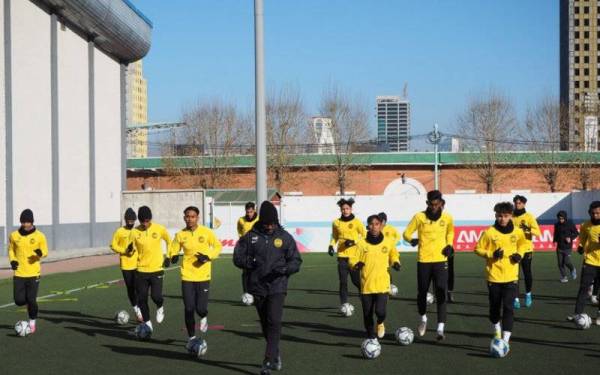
(137,110)
(393,123)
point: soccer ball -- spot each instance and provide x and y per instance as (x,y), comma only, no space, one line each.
(122,317)
(198,347)
(247,299)
(347,309)
(393,290)
(583,321)
(430,298)
(499,348)
(370,348)
(22,328)
(404,336)
(143,331)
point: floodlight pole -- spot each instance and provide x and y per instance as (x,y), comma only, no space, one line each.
(259,73)
(435,137)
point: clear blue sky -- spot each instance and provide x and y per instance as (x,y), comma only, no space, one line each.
(446,50)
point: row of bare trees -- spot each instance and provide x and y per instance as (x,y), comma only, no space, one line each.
(218,134)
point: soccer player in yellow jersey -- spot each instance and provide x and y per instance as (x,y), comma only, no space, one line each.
(244,225)
(128,258)
(374,255)
(392,235)
(527,223)
(200,247)
(503,246)
(589,247)
(435,235)
(146,239)
(26,247)
(346,231)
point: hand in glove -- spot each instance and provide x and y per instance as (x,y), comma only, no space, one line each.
(38,252)
(498,254)
(396,266)
(359,266)
(414,242)
(331,251)
(202,258)
(174,259)
(129,249)
(349,243)
(166,263)
(515,258)
(448,251)
(580,249)
(14,265)
(525,228)
(282,270)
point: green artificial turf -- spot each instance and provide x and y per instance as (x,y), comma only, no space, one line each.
(77,333)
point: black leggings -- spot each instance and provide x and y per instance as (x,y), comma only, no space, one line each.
(451,273)
(438,273)
(564,263)
(245,281)
(153,282)
(129,278)
(195,300)
(588,274)
(25,290)
(270,313)
(527,275)
(501,296)
(373,303)
(343,271)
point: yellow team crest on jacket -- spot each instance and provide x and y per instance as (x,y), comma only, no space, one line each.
(201,239)
(350,226)
(32,241)
(278,242)
(384,249)
(155,235)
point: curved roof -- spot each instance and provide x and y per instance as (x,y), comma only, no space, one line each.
(116,26)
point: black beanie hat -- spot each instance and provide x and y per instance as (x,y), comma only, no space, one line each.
(130,214)
(26,216)
(433,195)
(519,198)
(268,213)
(382,216)
(144,213)
(562,214)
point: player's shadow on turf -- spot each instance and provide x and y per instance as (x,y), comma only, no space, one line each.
(326,329)
(180,355)
(257,335)
(319,291)
(575,345)
(543,322)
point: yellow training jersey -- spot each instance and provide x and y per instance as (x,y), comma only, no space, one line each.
(22,249)
(589,238)
(501,270)
(201,240)
(528,220)
(119,244)
(346,230)
(374,276)
(392,235)
(146,242)
(244,226)
(433,236)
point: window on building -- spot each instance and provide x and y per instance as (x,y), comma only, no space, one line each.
(576,60)
(586,72)
(586,10)
(576,46)
(576,96)
(586,46)
(586,22)
(576,34)
(576,84)
(586,84)
(586,59)
(576,10)
(586,34)
(577,71)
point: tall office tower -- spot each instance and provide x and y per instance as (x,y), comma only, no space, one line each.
(393,123)
(137,110)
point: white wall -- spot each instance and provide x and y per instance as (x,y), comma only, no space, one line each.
(2,132)
(108,135)
(73,127)
(32,168)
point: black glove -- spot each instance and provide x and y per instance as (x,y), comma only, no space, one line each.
(516,258)
(250,263)
(174,259)
(349,243)
(331,251)
(166,263)
(580,249)
(498,254)
(202,258)
(129,249)
(38,252)
(359,266)
(448,251)
(414,242)
(396,266)
(525,228)
(14,265)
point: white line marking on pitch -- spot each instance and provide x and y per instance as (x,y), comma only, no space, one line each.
(77,289)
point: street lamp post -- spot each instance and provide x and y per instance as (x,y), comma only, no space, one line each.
(435,137)
(261,139)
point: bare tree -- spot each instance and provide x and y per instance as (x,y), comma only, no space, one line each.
(485,126)
(542,129)
(348,126)
(286,121)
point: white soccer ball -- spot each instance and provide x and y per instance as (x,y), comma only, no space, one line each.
(143,331)
(393,290)
(347,309)
(247,299)
(430,298)
(499,348)
(583,321)
(198,347)
(122,317)
(370,348)
(404,336)
(22,328)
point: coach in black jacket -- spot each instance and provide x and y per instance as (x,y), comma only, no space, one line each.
(269,256)
(565,234)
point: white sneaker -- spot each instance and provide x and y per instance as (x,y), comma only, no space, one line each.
(160,314)
(190,344)
(598,318)
(138,313)
(149,324)
(204,324)
(422,328)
